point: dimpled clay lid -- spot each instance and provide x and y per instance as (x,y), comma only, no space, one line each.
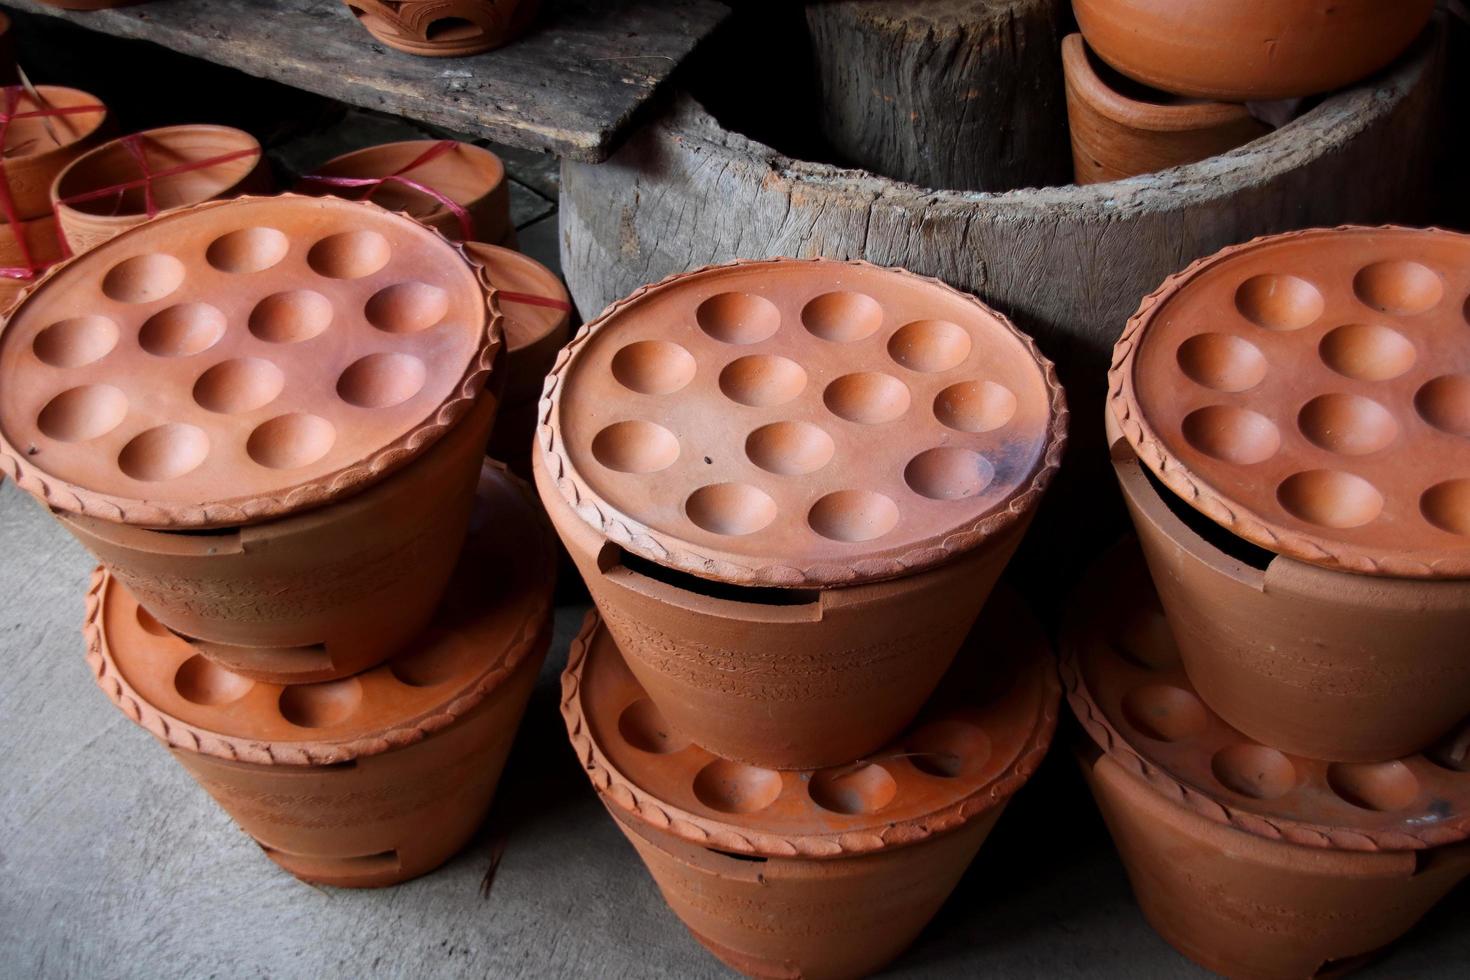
(1126,684)
(494,615)
(972,747)
(1311,393)
(801,422)
(240,360)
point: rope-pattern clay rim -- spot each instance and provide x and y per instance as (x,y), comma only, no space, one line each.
(1236,518)
(532,632)
(617,790)
(661,548)
(62,495)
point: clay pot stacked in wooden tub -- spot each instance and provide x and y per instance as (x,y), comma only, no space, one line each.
(1250,860)
(444,28)
(1291,428)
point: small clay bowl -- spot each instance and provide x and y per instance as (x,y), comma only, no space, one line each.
(1122,129)
(37,147)
(1243,50)
(440,29)
(89,218)
(375,778)
(826,873)
(470,176)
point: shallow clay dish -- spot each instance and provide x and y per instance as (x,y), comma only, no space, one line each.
(1311,393)
(444,28)
(239,361)
(420,739)
(801,422)
(42,138)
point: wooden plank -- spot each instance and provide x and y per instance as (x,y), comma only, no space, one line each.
(568,87)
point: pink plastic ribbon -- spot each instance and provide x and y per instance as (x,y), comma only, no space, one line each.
(530,299)
(370,185)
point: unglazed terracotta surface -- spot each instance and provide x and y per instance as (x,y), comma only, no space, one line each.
(444,28)
(241,360)
(1311,393)
(801,422)
(35,152)
(538,317)
(1245,50)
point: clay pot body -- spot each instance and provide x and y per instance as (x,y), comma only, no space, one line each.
(1246,906)
(33,158)
(816,919)
(788,679)
(444,28)
(319,595)
(1120,129)
(1244,50)
(41,243)
(87,223)
(1310,660)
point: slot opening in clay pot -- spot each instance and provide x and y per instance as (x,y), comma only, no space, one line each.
(1213,534)
(613,557)
(203,532)
(735,856)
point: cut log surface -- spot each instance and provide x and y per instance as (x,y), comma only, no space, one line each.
(958,94)
(568,86)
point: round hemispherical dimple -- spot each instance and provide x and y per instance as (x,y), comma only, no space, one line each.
(241,384)
(842,317)
(1330,498)
(1222,362)
(790,448)
(1381,786)
(762,380)
(734,787)
(248,250)
(407,307)
(730,508)
(1279,302)
(1399,286)
(1255,771)
(853,516)
(1348,424)
(164,452)
(855,789)
(653,367)
(76,341)
(150,623)
(202,681)
(948,749)
(948,473)
(143,278)
(930,345)
(1367,352)
(82,413)
(1164,712)
(349,254)
(182,330)
(434,659)
(1447,506)
(1445,403)
(382,380)
(1235,435)
(288,442)
(738,318)
(975,406)
(321,705)
(869,397)
(635,446)
(643,726)
(291,317)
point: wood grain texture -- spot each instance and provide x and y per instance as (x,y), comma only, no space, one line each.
(957,94)
(568,86)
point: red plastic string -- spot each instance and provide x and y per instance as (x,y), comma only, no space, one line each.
(370,185)
(531,299)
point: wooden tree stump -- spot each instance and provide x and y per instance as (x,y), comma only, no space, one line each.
(957,94)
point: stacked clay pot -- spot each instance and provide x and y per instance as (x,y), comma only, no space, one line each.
(444,28)
(1252,861)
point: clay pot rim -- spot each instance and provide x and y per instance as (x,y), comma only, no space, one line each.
(484,252)
(489,160)
(1122,402)
(387,459)
(1079,624)
(531,630)
(1080,74)
(617,790)
(87,98)
(664,549)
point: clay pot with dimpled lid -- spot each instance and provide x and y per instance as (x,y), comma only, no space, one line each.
(790,486)
(1250,861)
(1287,429)
(828,873)
(164,395)
(372,779)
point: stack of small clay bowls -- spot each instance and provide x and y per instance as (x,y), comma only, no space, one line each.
(790,486)
(266,417)
(1289,422)
(1152,84)
(444,28)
